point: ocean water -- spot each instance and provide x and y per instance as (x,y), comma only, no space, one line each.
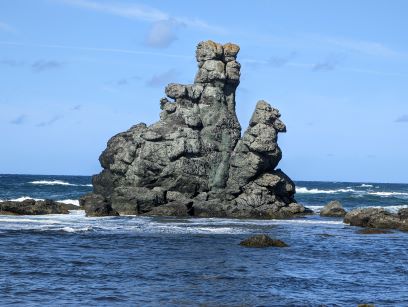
(69,260)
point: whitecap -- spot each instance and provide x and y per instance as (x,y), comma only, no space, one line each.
(22,198)
(69,201)
(58,182)
(364,185)
(388,194)
(303,190)
(73,230)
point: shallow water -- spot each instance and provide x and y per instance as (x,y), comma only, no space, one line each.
(55,260)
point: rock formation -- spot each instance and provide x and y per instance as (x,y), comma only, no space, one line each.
(35,207)
(259,241)
(333,209)
(194,161)
(378,218)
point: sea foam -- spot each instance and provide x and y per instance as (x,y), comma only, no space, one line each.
(58,182)
(303,190)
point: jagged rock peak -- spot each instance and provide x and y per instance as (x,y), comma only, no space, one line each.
(194,161)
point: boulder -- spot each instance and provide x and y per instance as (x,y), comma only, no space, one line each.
(96,205)
(333,209)
(195,154)
(262,241)
(377,218)
(35,207)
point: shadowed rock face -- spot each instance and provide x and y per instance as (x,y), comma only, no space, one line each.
(194,161)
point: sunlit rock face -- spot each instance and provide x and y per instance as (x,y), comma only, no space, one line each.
(193,161)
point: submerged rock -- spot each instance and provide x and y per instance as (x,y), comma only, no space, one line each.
(262,241)
(194,160)
(377,218)
(333,209)
(373,231)
(35,207)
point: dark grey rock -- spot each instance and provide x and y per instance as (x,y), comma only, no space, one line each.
(194,161)
(96,205)
(376,218)
(260,241)
(35,207)
(333,209)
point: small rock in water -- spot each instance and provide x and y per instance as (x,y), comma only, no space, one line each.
(377,218)
(333,209)
(262,241)
(373,231)
(35,207)
(366,305)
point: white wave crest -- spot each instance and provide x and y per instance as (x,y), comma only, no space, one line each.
(303,190)
(64,201)
(58,182)
(387,194)
(69,201)
(22,198)
(364,185)
(72,229)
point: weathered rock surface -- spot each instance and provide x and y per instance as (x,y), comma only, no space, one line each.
(333,209)
(35,207)
(262,241)
(377,218)
(96,205)
(195,156)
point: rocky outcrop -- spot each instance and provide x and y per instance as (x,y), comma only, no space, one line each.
(194,161)
(35,207)
(333,209)
(259,241)
(377,218)
(96,205)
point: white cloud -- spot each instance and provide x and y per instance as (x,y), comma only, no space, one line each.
(162,79)
(161,34)
(140,12)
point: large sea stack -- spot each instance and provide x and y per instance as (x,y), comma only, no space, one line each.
(193,161)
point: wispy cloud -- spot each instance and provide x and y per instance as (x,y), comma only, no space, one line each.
(140,12)
(19,120)
(273,61)
(276,61)
(328,64)
(96,49)
(161,34)
(365,47)
(162,79)
(51,121)
(402,119)
(76,108)
(7,28)
(43,65)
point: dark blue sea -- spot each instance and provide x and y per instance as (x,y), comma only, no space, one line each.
(72,260)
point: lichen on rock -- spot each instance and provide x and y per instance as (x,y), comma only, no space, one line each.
(195,157)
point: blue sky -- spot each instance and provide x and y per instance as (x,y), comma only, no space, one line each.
(75,72)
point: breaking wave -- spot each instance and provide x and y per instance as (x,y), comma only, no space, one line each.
(65,201)
(58,182)
(303,190)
